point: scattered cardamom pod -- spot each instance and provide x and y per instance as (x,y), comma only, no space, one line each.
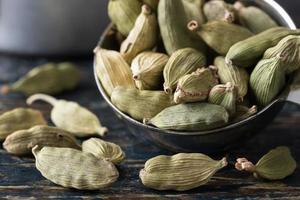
(191,117)
(71,117)
(21,142)
(103,150)
(196,86)
(180,172)
(152,3)
(140,104)
(147,69)
(112,70)
(255,19)
(19,119)
(275,165)
(243,112)
(182,62)
(49,78)
(193,10)
(219,10)
(220,35)
(72,168)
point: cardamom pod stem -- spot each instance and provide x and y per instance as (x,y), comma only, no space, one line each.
(219,10)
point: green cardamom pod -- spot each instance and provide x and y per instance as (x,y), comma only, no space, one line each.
(219,10)
(196,86)
(50,78)
(21,142)
(142,37)
(152,3)
(147,70)
(230,73)
(191,117)
(220,35)
(193,10)
(72,168)
(103,150)
(254,18)
(243,112)
(180,172)
(246,53)
(182,62)
(71,117)
(123,13)
(112,70)
(19,119)
(140,104)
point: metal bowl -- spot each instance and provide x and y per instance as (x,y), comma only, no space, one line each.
(216,140)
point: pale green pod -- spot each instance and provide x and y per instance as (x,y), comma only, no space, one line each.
(152,3)
(193,10)
(181,62)
(103,150)
(19,119)
(72,117)
(21,142)
(180,172)
(72,168)
(140,104)
(191,117)
(243,112)
(219,10)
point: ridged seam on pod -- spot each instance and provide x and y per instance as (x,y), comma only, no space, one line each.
(72,168)
(180,172)
(112,70)
(243,112)
(182,62)
(196,86)
(193,10)
(71,117)
(19,119)
(21,142)
(103,150)
(219,10)
(142,37)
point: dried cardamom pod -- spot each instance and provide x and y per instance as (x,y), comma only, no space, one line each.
(196,86)
(72,168)
(182,62)
(254,18)
(21,142)
(230,73)
(191,117)
(152,3)
(180,172)
(19,119)
(267,80)
(243,112)
(193,10)
(140,104)
(71,117)
(247,52)
(123,13)
(50,78)
(220,35)
(275,165)
(112,70)
(103,150)
(147,69)
(142,37)
(224,95)
(219,10)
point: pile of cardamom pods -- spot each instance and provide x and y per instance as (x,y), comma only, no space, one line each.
(194,65)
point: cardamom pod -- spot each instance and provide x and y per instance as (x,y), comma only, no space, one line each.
(147,69)
(277,164)
(193,10)
(230,73)
(182,62)
(103,150)
(142,37)
(220,35)
(71,117)
(219,10)
(243,112)
(50,78)
(196,86)
(21,142)
(72,168)
(112,70)
(247,52)
(140,104)
(19,119)
(224,95)
(123,13)
(180,172)
(152,3)
(191,117)
(267,80)
(254,18)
